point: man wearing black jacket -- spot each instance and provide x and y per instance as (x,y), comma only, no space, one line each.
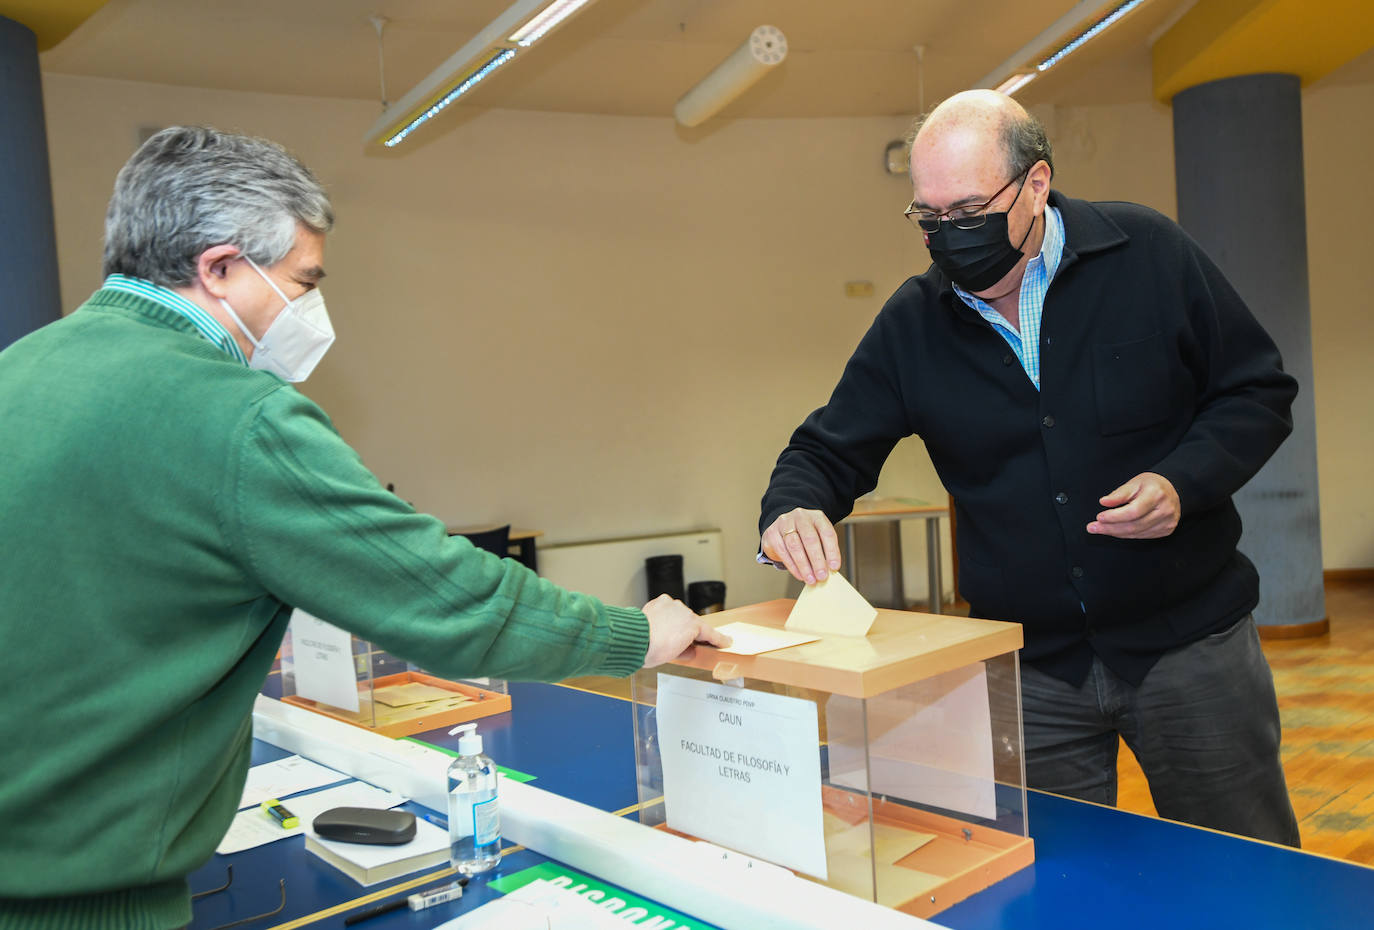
(1091,391)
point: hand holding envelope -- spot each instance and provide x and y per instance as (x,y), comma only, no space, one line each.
(827,608)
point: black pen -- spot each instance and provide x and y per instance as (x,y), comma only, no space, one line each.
(377,911)
(395,905)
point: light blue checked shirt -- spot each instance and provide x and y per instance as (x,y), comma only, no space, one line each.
(1040,272)
(205,324)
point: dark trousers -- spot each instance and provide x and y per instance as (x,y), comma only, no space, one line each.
(1204,725)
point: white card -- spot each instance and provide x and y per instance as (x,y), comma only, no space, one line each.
(750,639)
(323,661)
(831,606)
(283,778)
(742,769)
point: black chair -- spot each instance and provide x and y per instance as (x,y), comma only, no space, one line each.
(496,540)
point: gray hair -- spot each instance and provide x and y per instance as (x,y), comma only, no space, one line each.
(192,187)
(1024,142)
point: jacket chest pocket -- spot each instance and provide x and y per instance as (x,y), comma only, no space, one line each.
(1136,384)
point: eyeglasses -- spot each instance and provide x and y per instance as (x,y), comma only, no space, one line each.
(970,217)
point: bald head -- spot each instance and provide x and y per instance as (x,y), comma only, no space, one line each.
(979,124)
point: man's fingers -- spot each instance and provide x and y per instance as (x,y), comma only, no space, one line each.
(803,542)
(712,636)
(778,552)
(797,550)
(815,553)
(831,544)
(1121,495)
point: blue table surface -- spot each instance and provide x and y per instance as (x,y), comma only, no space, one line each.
(1094,866)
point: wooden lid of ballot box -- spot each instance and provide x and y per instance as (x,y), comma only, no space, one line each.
(901,647)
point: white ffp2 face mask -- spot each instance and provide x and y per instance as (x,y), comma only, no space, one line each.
(296,340)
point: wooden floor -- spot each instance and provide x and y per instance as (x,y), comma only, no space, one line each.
(1326,701)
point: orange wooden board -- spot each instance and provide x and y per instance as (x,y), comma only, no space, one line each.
(414,718)
(966,857)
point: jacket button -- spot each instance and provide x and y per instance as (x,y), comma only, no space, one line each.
(1076,571)
(1049,340)
(1006,360)
(1061,498)
(1047,421)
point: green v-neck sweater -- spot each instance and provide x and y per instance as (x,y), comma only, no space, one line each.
(160,503)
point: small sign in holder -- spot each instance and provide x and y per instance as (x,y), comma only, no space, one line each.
(332,672)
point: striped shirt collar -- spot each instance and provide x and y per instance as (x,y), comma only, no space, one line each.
(205,324)
(1035,282)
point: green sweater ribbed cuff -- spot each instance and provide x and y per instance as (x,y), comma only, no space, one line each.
(152,907)
(629,642)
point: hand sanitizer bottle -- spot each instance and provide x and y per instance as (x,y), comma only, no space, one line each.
(474,823)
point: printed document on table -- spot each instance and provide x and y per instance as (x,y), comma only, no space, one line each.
(540,905)
(284,778)
(255,827)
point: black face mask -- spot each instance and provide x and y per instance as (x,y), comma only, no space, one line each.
(975,259)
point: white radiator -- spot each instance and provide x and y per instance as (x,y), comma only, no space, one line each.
(613,569)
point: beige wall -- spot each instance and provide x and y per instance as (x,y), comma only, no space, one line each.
(601,327)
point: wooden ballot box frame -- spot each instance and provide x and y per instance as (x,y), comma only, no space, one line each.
(939,805)
(397,698)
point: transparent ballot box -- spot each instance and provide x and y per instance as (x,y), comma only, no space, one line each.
(888,766)
(332,672)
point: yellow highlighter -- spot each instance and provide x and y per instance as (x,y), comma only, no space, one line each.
(280,814)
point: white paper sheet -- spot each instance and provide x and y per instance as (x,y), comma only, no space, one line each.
(929,742)
(750,639)
(254,827)
(283,778)
(540,905)
(742,769)
(831,606)
(323,659)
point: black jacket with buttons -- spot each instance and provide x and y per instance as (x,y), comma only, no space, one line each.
(1149,361)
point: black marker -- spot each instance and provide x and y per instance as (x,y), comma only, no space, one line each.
(399,903)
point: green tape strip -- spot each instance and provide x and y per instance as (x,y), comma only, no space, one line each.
(634,910)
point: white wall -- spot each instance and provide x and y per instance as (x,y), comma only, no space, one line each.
(600,326)
(582,324)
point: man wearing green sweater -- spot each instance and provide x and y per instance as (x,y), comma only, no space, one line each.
(164,492)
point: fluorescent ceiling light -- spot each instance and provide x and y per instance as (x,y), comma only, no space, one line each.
(472,80)
(1083,37)
(1066,34)
(522,24)
(543,23)
(1014,83)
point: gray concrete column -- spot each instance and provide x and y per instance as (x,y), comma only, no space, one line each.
(1238,160)
(29,295)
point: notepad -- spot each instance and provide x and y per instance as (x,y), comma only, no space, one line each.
(829,607)
(368,865)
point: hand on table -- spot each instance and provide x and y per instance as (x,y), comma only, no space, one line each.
(803,542)
(674,628)
(1146,507)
